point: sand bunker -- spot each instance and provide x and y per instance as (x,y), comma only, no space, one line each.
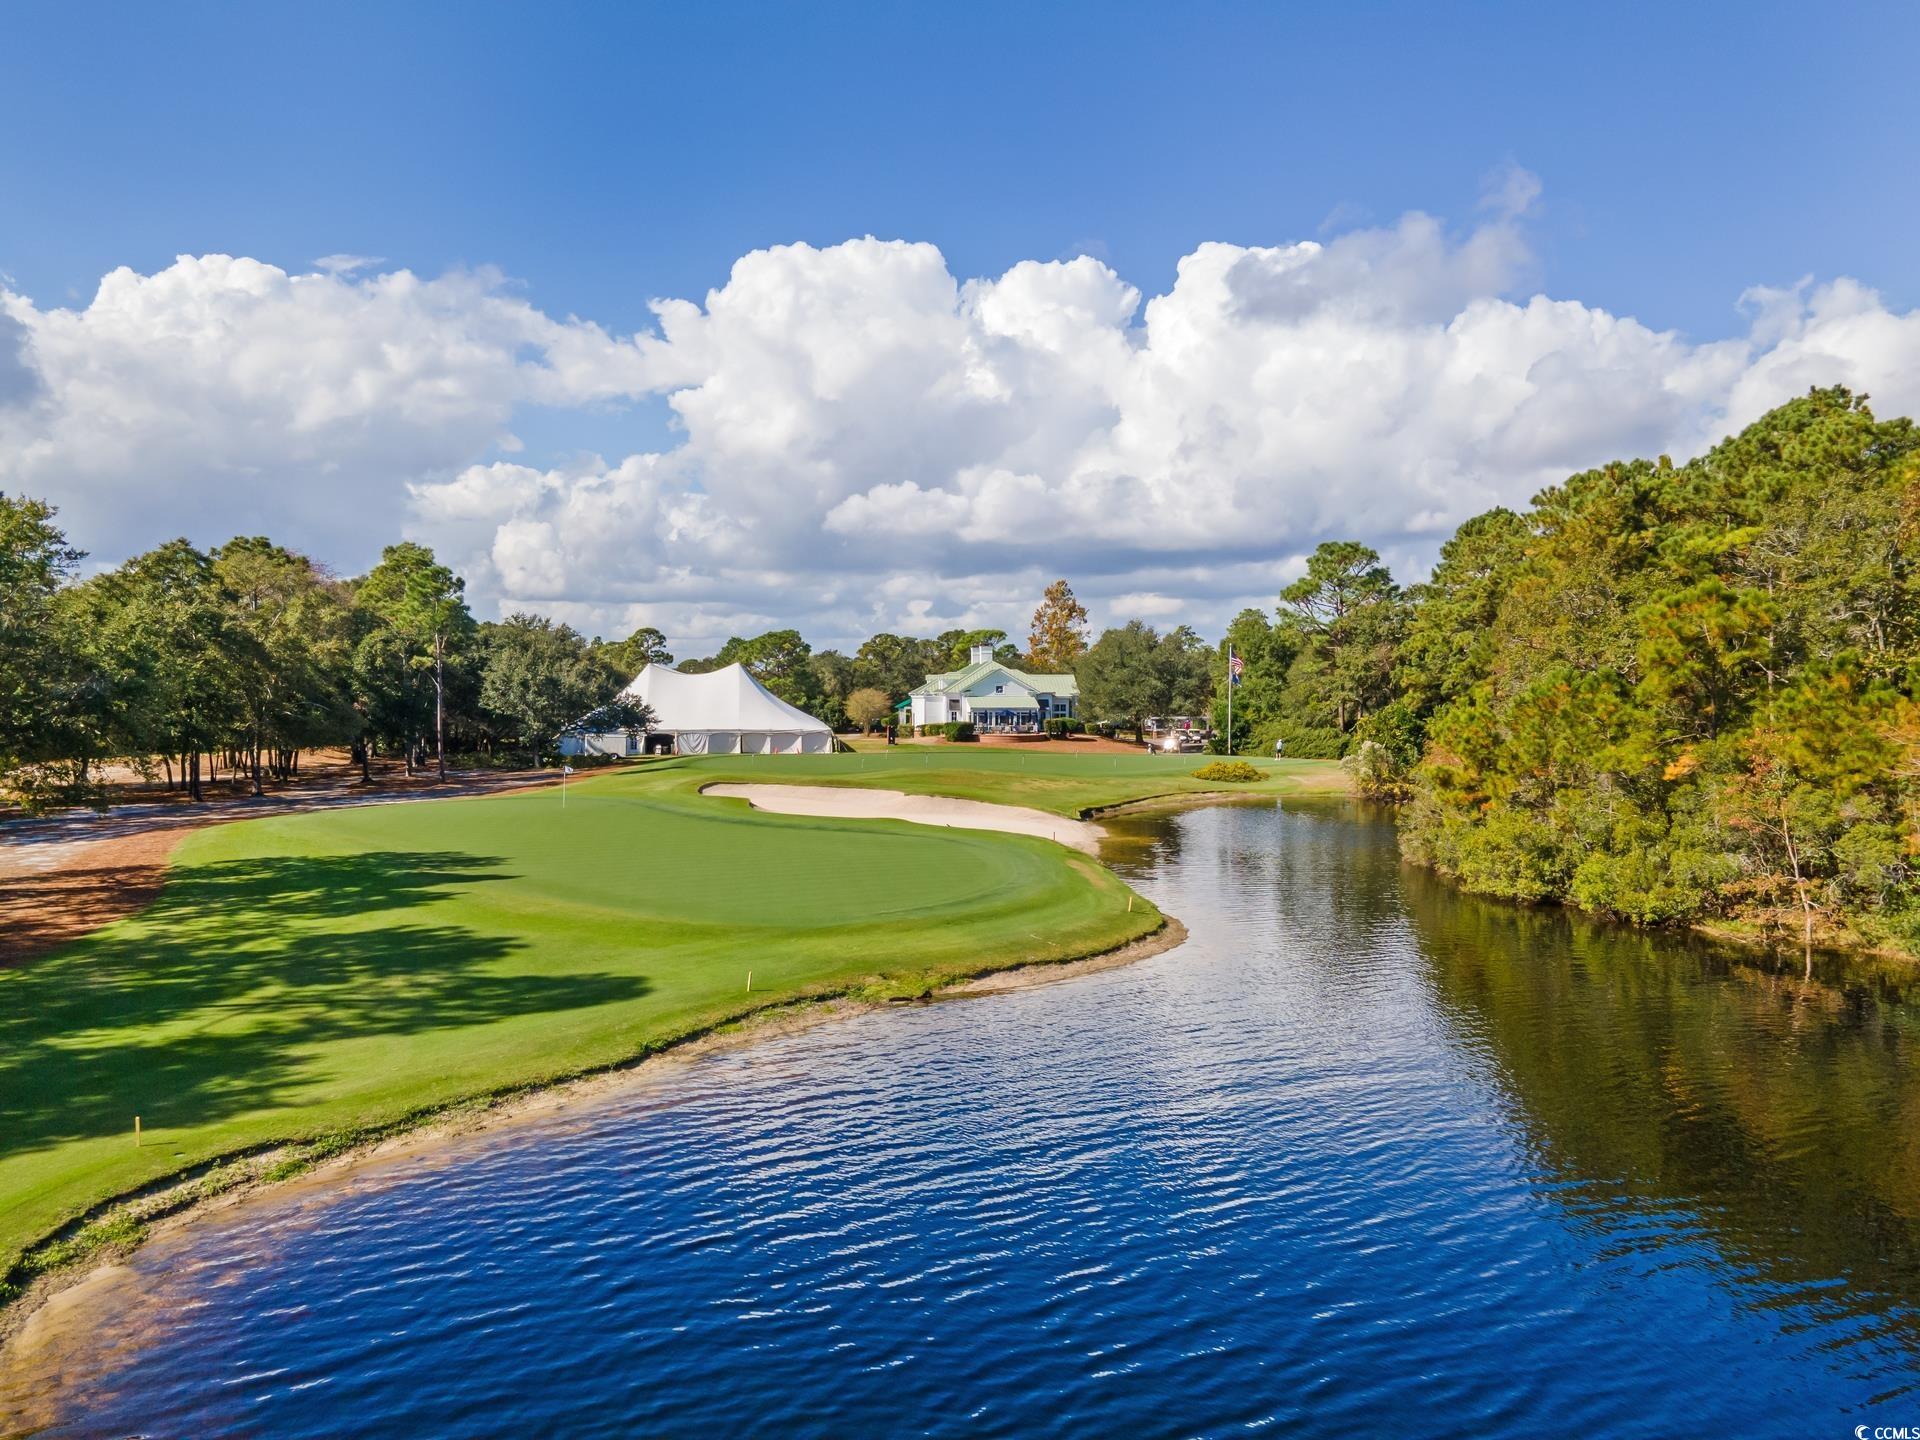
(849,803)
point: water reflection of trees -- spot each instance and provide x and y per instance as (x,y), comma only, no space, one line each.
(1309,867)
(1782,1113)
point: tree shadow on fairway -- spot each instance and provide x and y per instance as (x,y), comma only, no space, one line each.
(38,912)
(213,1001)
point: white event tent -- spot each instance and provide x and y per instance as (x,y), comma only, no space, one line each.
(723,712)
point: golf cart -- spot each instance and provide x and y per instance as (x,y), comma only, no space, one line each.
(1176,735)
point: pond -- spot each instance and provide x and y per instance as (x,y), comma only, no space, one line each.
(1364,1154)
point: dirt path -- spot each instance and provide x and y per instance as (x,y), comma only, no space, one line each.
(62,876)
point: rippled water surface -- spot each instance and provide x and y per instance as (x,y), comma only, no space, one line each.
(1362,1157)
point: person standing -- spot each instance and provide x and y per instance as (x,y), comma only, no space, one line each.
(1279,747)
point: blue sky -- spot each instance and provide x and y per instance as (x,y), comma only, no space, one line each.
(603,156)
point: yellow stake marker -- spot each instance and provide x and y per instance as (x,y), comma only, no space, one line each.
(136,1130)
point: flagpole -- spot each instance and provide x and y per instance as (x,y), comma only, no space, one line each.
(1229,697)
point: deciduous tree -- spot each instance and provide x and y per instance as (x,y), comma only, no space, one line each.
(291,675)
(1059,635)
(867,707)
(168,615)
(35,561)
(898,664)
(778,660)
(1131,672)
(1673,691)
(540,677)
(645,646)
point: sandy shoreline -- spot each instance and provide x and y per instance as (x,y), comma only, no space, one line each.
(846,802)
(33,1326)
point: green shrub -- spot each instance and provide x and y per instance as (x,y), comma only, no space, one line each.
(961,730)
(1871,862)
(1514,855)
(1653,886)
(1239,772)
(50,786)
(489,760)
(1066,725)
(1303,742)
(1376,774)
(1397,730)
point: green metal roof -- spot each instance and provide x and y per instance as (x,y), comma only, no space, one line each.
(958,682)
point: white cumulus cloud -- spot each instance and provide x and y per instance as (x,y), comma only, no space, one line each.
(224,392)
(866,440)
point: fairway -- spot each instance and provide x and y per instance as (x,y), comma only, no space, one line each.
(1066,784)
(307,975)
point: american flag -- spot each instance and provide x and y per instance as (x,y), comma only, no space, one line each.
(1235,666)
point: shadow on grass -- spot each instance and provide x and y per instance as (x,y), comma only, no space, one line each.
(38,912)
(211,1003)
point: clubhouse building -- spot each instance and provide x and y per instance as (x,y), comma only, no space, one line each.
(995,697)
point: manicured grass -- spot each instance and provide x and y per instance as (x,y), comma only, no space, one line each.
(1044,779)
(307,975)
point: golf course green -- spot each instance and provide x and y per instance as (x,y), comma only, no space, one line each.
(317,977)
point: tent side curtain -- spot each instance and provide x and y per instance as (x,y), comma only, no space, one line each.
(707,742)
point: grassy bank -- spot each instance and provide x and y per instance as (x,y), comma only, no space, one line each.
(1064,784)
(303,978)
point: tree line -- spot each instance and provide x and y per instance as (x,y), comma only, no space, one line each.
(1665,693)
(184,660)
(1129,673)
(1662,693)
(187,662)
(1676,693)
(861,690)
